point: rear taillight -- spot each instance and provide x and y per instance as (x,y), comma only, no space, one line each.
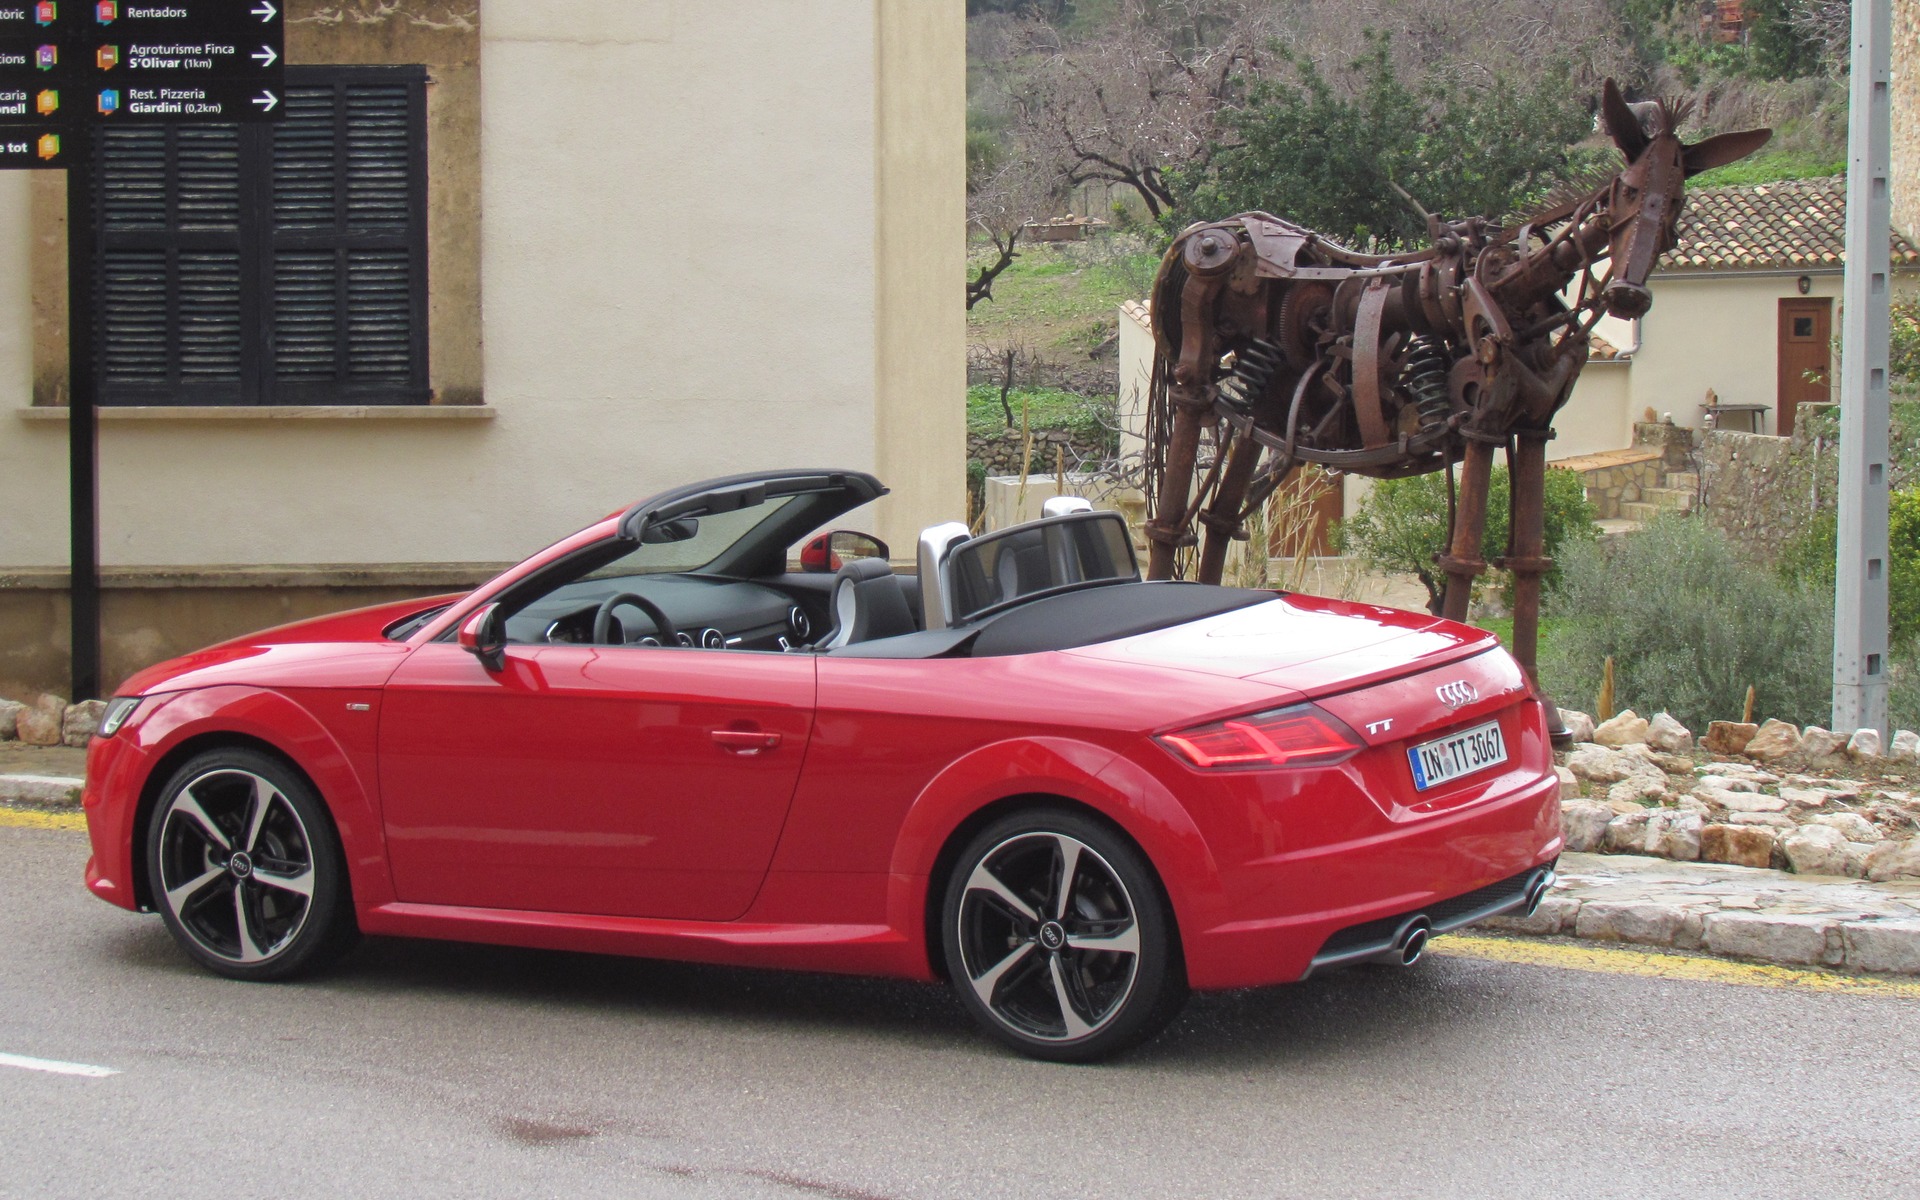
(1302,736)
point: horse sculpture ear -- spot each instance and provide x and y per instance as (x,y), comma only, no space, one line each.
(1723,149)
(1620,122)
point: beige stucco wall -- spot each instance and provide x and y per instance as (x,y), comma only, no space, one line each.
(1904,180)
(717,236)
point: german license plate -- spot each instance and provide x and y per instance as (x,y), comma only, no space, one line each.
(1455,755)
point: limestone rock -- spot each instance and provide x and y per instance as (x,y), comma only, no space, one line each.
(1823,850)
(1778,938)
(1727,783)
(1569,784)
(1691,803)
(1775,820)
(1626,833)
(1889,946)
(1750,802)
(1818,744)
(1555,915)
(1906,746)
(1624,729)
(1639,789)
(1665,733)
(1852,826)
(1806,797)
(1599,764)
(1740,845)
(1584,823)
(1894,860)
(1579,724)
(1759,776)
(39,724)
(1864,744)
(1728,737)
(1672,764)
(1631,921)
(81,720)
(1674,834)
(10,711)
(1774,741)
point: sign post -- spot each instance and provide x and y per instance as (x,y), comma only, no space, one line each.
(70,69)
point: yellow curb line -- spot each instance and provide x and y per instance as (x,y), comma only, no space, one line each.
(1624,960)
(34,818)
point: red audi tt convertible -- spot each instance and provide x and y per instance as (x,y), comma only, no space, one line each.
(701,729)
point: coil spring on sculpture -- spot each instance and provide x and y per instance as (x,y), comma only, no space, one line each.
(1424,378)
(1254,368)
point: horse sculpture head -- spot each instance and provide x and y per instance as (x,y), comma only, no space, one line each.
(1645,199)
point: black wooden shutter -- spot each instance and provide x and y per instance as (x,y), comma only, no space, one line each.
(271,264)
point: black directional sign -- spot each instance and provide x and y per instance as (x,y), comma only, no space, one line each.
(123,62)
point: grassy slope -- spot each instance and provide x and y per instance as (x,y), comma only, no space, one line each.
(1059,299)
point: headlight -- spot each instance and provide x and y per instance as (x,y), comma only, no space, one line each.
(118,710)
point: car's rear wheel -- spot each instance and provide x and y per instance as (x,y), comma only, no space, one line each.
(1059,938)
(246,867)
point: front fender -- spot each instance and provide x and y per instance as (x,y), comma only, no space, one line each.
(340,760)
(1093,776)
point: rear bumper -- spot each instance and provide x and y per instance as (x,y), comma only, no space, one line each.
(1365,886)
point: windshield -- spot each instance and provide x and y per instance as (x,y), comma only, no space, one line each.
(712,537)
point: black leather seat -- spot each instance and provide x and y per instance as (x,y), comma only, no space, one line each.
(868,603)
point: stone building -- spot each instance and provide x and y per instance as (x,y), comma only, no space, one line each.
(505,266)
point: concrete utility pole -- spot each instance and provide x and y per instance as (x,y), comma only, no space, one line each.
(1860,588)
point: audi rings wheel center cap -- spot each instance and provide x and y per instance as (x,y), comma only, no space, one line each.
(1053,935)
(241,865)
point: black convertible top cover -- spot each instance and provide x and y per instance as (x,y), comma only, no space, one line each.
(1105,614)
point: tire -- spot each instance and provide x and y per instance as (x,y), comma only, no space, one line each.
(1072,979)
(246,868)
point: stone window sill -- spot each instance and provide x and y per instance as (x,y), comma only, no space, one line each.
(247,412)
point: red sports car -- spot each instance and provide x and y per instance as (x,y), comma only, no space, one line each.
(1018,766)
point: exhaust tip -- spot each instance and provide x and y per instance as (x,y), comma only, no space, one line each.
(1413,941)
(1537,891)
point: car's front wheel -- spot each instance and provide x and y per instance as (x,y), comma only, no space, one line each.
(246,868)
(1059,938)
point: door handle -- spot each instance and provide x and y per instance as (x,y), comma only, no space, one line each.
(745,741)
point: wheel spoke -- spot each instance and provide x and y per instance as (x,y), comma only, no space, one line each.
(188,805)
(1076,1027)
(983,880)
(985,985)
(300,881)
(263,798)
(178,897)
(1126,941)
(249,949)
(1069,864)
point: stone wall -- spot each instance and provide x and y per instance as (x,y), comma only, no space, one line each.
(1757,489)
(1002,453)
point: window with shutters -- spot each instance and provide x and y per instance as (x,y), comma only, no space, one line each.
(273,263)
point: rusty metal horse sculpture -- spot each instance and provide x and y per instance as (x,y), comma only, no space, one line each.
(1283,348)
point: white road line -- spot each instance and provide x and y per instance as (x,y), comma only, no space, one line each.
(55,1068)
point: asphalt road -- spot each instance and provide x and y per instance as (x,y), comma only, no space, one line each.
(422,1069)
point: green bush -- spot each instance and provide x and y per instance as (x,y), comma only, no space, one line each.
(1402,524)
(1810,557)
(1904,340)
(1689,625)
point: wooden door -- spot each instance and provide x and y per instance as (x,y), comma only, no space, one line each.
(1806,334)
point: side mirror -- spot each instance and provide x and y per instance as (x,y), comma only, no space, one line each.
(829,552)
(483,635)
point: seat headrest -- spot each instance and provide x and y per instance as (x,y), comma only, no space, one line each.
(861,569)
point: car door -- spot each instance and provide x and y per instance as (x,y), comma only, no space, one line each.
(619,780)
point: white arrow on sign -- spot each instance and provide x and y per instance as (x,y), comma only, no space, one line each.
(266,11)
(266,100)
(265,56)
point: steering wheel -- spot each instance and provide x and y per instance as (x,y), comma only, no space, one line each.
(603,619)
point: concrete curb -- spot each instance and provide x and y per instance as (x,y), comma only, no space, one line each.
(41,791)
(1733,912)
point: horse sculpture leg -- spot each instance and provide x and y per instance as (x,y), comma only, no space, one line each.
(1529,562)
(1222,518)
(1462,562)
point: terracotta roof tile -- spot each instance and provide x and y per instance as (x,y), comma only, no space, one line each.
(1797,223)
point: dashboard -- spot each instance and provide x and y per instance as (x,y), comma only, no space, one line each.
(707,612)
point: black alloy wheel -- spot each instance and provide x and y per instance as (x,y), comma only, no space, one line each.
(246,868)
(1059,938)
